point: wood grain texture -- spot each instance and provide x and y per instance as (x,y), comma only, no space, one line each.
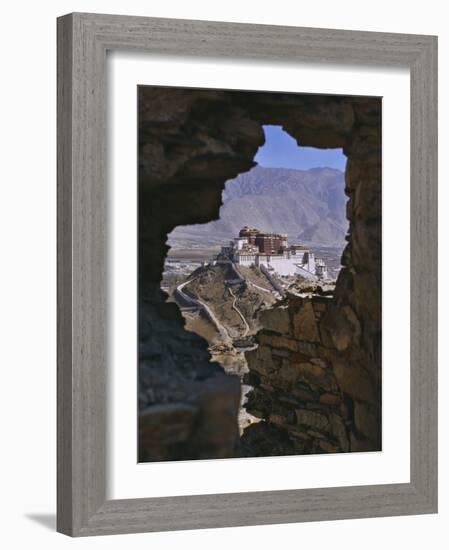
(64,277)
(83,40)
(424,277)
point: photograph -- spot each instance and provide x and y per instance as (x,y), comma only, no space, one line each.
(259,273)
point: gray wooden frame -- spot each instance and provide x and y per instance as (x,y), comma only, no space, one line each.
(83,40)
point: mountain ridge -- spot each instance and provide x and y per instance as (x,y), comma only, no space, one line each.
(309,205)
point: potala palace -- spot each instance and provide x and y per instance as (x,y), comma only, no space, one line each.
(272,252)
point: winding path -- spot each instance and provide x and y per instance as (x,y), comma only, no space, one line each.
(203,306)
(235,308)
(250,283)
(261,288)
(196,302)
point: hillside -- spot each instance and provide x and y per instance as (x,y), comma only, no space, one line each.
(209,284)
(309,205)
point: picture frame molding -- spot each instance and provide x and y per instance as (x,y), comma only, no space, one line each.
(83,41)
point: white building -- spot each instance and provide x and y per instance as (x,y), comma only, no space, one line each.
(283,259)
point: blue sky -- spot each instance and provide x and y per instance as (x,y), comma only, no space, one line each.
(281,151)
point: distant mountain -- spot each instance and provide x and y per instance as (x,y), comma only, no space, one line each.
(309,205)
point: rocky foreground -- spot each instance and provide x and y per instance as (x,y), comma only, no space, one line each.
(291,402)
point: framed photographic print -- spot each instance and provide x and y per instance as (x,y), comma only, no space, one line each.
(246,274)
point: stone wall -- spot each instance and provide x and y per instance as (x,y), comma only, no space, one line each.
(325,354)
(188,407)
(190,143)
(310,397)
(188,147)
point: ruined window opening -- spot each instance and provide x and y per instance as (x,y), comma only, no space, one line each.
(220,289)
